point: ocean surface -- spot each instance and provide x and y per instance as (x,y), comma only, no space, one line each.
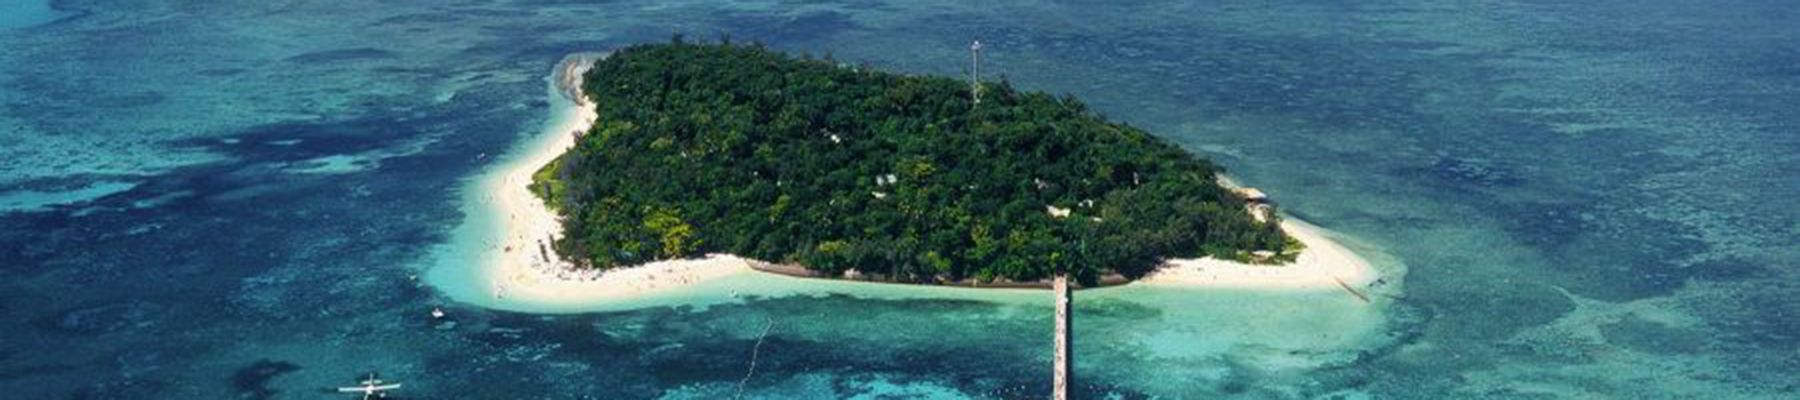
(239,200)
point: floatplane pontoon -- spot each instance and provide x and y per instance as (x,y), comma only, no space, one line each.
(371,388)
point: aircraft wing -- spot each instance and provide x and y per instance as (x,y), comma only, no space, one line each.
(368,389)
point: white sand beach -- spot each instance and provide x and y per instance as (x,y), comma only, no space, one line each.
(1324,265)
(523,268)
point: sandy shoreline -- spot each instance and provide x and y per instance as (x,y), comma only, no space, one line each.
(523,268)
(1324,265)
(520,268)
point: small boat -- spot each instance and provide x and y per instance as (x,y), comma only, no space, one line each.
(371,388)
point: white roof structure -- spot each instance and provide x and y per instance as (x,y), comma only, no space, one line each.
(1252,194)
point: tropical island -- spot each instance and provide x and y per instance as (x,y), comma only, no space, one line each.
(693,173)
(718,148)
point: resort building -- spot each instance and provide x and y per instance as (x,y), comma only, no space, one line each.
(1256,202)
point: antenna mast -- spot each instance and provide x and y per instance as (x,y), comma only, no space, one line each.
(975,78)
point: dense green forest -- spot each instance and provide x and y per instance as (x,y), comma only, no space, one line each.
(704,148)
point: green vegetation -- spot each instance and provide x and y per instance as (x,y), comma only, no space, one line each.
(545,185)
(719,148)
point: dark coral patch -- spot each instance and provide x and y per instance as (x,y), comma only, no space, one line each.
(251,381)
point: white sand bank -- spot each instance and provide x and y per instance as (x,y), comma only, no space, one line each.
(524,270)
(1324,265)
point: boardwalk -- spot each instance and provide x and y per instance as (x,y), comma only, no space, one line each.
(1061,388)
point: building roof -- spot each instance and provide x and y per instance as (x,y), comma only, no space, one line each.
(1252,194)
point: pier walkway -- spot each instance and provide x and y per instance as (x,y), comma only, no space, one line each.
(1061,287)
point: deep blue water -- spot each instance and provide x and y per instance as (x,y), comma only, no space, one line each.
(1592,199)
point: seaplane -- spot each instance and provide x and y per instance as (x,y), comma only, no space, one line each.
(371,388)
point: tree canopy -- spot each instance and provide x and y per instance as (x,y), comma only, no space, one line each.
(704,148)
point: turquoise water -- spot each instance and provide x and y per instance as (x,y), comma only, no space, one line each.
(1592,200)
(27,13)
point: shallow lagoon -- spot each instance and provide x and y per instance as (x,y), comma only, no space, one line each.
(1586,197)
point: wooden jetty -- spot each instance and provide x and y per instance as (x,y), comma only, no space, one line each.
(1061,381)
